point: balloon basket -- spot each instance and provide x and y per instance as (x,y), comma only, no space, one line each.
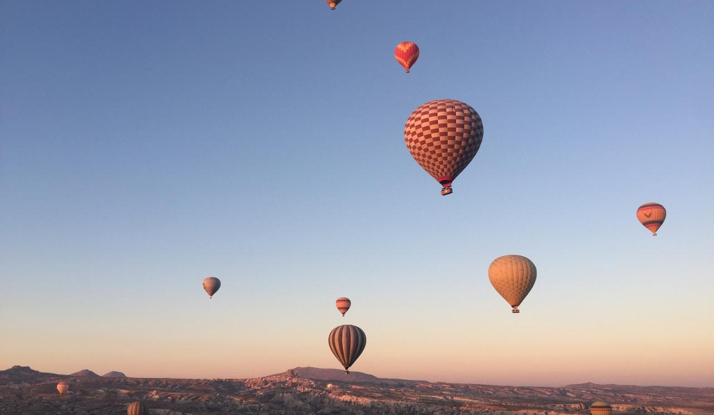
(446,191)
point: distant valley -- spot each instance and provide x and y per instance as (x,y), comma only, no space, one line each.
(327,391)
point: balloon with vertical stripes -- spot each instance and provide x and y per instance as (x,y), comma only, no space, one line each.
(343,304)
(513,276)
(137,408)
(600,408)
(651,216)
(62,387)
(347,344)
(211,285)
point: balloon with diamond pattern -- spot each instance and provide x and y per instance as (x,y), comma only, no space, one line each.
(406,53)
(443,136)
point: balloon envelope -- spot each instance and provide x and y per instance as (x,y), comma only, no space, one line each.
(137,408)
(347,344)
(211,285)
(443,136)
(406,53)
(62,387)
(652,216)
(333,3)
(600,408)
(513,277)
(343,304)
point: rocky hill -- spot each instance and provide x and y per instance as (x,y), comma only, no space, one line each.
(24,373)
(298,392)
(339,375)
(114,374)
(85,373)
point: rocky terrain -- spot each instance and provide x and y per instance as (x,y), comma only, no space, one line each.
(85,373)
(326,391)
(114,374)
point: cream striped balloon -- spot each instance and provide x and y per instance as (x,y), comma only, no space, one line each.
(347,344)
(137,408)
(513,277)
(62,387)
(211,285)
(600,408)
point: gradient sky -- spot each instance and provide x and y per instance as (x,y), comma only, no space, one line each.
(147,145)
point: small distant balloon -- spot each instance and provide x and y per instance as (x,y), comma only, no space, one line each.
(652,216)
(137,408)
(406,53)
(333,3)
(62,387)
(600,408)
(343,304)
(211,285)
(513,276)
(347,344)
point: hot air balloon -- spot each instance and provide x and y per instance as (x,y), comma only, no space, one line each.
(211,285)
(652,216)
(137,408)
(343,304)
(443,136)
(406,54)
(62,387)
(600,408)
(347,343)
(333,3)
(513,277)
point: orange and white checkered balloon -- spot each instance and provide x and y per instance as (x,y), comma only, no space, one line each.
(443,136)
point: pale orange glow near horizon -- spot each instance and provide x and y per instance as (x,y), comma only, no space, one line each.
(654,348)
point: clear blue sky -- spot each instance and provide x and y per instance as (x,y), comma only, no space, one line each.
(147,145)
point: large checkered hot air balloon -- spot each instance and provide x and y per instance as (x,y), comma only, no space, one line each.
(347,343)
(512,276)
(651,216)
(406,53)
(333,3)
(443,136)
